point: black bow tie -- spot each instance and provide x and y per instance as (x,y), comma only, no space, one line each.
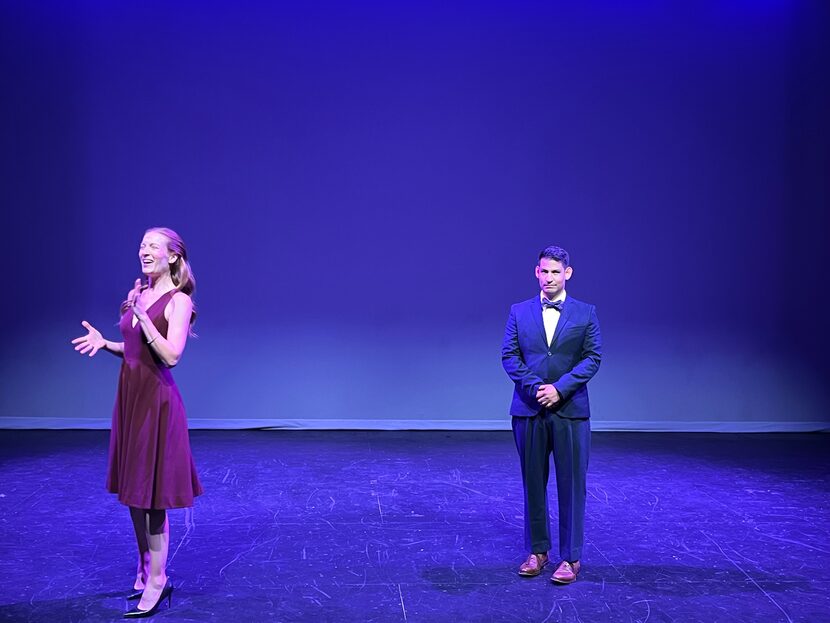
(557,305)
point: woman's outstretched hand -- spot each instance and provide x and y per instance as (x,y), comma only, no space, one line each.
(90,343)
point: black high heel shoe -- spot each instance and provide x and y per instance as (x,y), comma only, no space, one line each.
(166,593)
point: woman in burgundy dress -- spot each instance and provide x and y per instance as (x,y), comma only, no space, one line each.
(150,465)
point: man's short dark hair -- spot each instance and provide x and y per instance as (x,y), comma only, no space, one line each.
(556,253)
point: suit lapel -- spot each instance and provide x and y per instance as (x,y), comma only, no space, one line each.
(563,320)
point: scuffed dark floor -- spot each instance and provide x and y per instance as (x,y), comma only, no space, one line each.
(425,526)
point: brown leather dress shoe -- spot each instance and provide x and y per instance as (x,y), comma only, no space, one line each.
(533,565)
(565,573)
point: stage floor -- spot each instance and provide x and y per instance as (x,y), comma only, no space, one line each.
(425,526)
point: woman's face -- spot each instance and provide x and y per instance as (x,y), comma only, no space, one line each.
(154,255)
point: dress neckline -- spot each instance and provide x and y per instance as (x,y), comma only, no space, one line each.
(152,305)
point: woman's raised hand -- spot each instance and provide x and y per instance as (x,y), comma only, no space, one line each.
(134,300)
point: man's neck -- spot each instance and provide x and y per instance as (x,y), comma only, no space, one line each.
(559,297)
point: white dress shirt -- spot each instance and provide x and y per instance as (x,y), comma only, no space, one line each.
(550,316)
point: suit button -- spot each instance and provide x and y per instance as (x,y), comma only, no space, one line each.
(549,353)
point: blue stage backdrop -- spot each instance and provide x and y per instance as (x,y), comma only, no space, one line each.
(364,188)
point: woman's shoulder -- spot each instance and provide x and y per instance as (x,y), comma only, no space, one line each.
(180,298)
(179,303)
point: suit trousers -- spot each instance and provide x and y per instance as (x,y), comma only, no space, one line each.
(570,442)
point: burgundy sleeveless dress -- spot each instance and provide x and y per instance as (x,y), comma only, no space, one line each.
(150,465)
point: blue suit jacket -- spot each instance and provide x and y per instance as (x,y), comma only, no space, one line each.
(569,362)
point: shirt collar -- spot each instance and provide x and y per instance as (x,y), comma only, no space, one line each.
(560,297)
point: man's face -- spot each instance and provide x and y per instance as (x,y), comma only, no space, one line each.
(552,276)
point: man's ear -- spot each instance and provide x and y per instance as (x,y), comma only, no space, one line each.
(568,272)
(536,272)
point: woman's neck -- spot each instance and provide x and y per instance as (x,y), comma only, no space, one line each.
(162,283)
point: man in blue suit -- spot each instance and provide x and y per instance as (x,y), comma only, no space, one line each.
(551,349)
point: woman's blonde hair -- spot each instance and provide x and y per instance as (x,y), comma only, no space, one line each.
(180,270)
